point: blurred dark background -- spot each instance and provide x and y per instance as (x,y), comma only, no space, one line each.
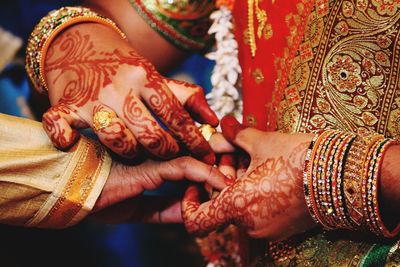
(87,244)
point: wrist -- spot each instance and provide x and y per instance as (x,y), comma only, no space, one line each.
(77,42)
(47,29)
(389,185)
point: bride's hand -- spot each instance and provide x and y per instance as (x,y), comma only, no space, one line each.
(267,199)
(90,68)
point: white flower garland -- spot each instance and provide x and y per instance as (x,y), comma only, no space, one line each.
(225,98)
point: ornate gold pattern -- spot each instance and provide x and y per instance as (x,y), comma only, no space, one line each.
(251,120)
(258,76)
(393,258)
(318,250)
(184,9)
(253,7)
(78,187)
(345,72)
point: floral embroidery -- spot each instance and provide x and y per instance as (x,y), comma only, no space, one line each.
(344,74)
(352,80)
(388,7)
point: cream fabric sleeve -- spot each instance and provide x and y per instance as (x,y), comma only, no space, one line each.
(41,186)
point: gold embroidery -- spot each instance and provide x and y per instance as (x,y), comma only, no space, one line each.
(251,120)
(250,27)
(268,32)
(296,23)
(253,6)
(78,187)
(185,9)
(346,70)
(258,76)
(393,258)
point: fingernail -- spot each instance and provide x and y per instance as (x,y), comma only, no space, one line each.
(231,127)
(200,110)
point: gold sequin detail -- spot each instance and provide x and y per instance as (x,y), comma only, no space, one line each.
(258,76)
(253,8)
(251,120)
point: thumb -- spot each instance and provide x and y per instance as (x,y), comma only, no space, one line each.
(193,99)
(244,137)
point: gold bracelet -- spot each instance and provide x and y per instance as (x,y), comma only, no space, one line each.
(45,32)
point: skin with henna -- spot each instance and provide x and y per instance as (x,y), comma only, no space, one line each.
(267,198)
(89,67)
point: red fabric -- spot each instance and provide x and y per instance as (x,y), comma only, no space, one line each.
(256,97)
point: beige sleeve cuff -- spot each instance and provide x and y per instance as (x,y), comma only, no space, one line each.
(41,186)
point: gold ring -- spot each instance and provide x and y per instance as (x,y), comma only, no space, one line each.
(102,119)
(207,131)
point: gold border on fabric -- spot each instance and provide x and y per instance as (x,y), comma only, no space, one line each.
(89,170)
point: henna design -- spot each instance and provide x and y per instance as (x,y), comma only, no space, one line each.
(56,124)
(253,201)
(117,137)
(147,130)
(74,55)
(167,107)
(77,56)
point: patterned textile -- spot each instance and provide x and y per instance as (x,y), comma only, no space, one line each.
(184,23)
(319,64)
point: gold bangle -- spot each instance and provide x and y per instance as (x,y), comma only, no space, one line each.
(207,131)
(45,32)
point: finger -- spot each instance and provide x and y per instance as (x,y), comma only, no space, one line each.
(116,136)
(194,101)
(146,129)
(199,218)
(243,163)
(169,211)
(149,209)
(227,166)
(242,136)
(191,169)
(167,107)
(220,145)
(57,123)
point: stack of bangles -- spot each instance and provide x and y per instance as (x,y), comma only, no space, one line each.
(341,178)
(45,32)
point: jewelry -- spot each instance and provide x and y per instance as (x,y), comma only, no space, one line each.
(207,131)
(45,32)
(372,214)
(102,119)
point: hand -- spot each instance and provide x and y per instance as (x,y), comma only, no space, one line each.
(121,200)
(90,68)
(267,200)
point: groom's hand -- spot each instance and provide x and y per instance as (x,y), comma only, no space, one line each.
(121,199)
